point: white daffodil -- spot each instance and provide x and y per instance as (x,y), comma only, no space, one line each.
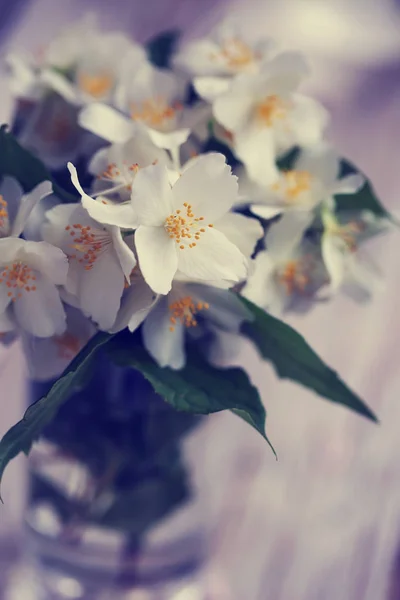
(289,273)
(29,275)
(313,179)
(16,207)
(100,262)
(177,228)
(48,357)
(349,268)
(151,99)
(267,116)
(187,305)
(116,166)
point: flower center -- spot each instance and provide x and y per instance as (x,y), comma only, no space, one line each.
(294,184)
(123,175)
(235,53)
(183,227)
(348,234)
(4,222)
(184,311)
(88,242)
(294,277)
(271,109)
(95,85)
(18,277)
(155,112)
(68,345)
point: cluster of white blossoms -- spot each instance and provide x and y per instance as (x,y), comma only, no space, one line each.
(164,230)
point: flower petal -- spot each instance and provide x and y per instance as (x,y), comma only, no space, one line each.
(284,237)
(106,122)
(11,192)
(136,304)
(151,196)
(58,83)
(234,109)
(28,203)
(308,120)
(158,257)
(209,88)
(4,297)
(242,231)
(321,161)
(334,259)
(101,288)
(349,185)
(256,149)
(110,213)
(213,258)
(168,140)
(46,258)
(165,346)
(208,185)
(125,255)
(41,312)
(266,212)
(225,309)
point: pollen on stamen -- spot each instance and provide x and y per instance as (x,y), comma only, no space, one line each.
(183,225)
(184,311)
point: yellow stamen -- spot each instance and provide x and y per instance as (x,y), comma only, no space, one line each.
(95,85)
(184,310)
(235,53)
(271,109)
(182,225)
(17,277)
(155,112)
(294,277)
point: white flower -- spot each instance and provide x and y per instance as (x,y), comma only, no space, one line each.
(177,224)
(226,53)
(100,262)
(29,275)
(82,64)
(116,166)
(180,311)
(313,179)
(267,116)
(288,274)
(149,98)
(48,357)
(348,267)
(16,207)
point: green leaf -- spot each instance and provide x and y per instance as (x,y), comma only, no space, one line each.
(364,199)
(293,359)
(198,388)
(161,48)
(25,432)
(29,171)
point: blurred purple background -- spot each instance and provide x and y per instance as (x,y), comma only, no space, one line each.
(322,523)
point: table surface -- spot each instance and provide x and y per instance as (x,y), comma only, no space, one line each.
(322,522)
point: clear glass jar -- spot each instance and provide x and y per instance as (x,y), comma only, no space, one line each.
(114,511)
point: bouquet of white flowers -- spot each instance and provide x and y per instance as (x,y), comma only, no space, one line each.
(156,204)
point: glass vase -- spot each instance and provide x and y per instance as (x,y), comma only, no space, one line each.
(114,510)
